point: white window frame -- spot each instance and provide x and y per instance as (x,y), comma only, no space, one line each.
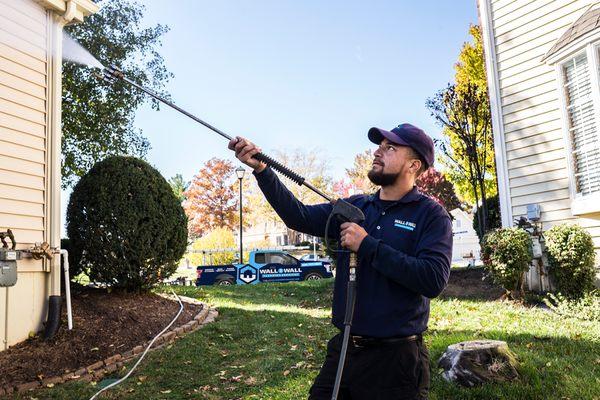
(580,204)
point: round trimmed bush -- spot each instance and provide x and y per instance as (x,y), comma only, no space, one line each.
(571,259)
(507,254)
(493,218)
(125,225)
(74,269)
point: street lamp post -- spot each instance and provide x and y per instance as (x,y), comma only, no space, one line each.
(240,174)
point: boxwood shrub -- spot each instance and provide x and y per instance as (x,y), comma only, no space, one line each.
(571,257)
(126,228)
(507,254)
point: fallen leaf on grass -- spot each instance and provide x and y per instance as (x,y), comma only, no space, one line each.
(298,365)
(166,391)
(286,372)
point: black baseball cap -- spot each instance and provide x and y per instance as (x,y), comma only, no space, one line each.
(406,135)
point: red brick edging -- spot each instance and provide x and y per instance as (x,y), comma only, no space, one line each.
(99,369)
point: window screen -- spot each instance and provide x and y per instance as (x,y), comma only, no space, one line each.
(583,127)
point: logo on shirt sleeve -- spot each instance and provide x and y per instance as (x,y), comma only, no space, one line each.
(409,226)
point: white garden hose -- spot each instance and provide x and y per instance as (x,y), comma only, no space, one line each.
(145,351)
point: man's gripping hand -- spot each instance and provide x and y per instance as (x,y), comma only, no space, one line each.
(244,150)
(352,235)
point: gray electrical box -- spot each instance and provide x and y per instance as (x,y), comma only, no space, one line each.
(8,267)
(533,212)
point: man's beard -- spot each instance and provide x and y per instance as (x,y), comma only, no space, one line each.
(381,178)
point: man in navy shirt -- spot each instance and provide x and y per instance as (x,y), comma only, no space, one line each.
(404,250)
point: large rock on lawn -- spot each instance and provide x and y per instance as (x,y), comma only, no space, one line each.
(476,362)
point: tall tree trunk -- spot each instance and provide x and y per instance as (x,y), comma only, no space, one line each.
(484,208)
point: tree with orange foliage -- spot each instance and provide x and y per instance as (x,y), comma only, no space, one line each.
(434,184)
(211,198)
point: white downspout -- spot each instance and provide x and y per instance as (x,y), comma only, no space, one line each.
(54,65)
(65,255)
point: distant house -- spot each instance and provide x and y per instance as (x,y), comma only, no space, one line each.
(271,232)
(543,71)
(274,233)
(30,130)
(465,248)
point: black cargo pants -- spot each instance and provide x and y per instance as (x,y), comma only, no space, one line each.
(375,371)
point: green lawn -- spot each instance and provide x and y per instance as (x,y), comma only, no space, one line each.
(269,341)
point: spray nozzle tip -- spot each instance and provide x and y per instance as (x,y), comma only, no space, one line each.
(110,74)
(114,71)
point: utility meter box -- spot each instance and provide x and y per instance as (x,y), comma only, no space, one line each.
(536,247)
(533,212)
(8,267)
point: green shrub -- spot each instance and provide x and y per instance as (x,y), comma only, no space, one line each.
(125,225)
(507,254)
(493,218)
(586,308)
(74,268)
(571,259)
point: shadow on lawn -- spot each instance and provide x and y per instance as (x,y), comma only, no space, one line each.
(279,351)
(303,294)
(263,345)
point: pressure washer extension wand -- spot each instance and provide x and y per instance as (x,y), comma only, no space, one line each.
(342,210)
(112,73)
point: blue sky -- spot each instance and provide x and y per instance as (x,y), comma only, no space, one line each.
(299,73)
(288,74)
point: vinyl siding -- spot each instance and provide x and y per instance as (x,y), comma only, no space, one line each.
(23,147)
(524,31)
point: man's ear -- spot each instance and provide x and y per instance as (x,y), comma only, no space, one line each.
(415,165)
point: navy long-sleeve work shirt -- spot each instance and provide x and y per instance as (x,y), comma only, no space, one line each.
(402,263)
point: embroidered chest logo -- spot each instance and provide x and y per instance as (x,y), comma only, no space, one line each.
(409,226)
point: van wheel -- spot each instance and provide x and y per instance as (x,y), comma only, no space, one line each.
(224,281)
(313,276)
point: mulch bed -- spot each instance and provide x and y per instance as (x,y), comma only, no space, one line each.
(472,283)
(104,324)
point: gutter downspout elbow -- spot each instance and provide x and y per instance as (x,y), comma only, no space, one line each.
(69,12)
(55,303)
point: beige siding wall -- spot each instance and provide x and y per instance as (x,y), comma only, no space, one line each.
(524,31)
(23,147)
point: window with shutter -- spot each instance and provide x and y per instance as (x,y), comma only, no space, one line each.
(583,124)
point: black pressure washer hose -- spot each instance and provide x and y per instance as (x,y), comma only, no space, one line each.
(344,211)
